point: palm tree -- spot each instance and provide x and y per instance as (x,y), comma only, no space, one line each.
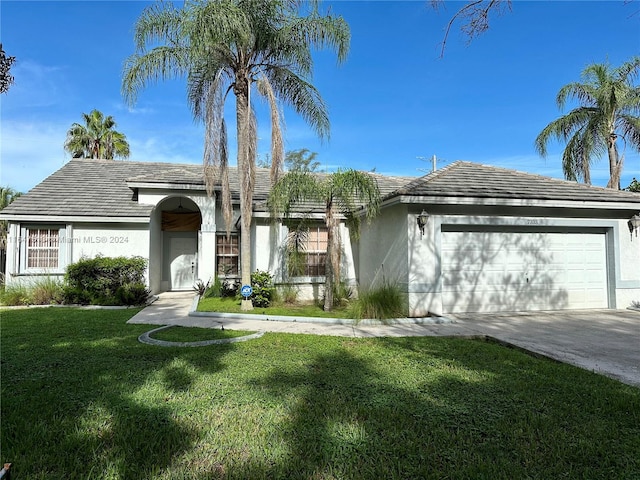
(96,138)
(609,109)
(225,46)
(340,194)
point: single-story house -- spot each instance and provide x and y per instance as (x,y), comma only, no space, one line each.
(465,238)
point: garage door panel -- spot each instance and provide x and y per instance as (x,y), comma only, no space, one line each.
(501,271)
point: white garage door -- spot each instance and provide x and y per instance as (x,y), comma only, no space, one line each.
(490,271)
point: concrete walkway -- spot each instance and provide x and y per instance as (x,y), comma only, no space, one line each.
(603,341)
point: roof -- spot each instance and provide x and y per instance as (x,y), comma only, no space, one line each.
(472,180)
(104,188)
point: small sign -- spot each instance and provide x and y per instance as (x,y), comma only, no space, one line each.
(246,291)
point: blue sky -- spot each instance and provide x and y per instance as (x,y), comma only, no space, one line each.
(393,101)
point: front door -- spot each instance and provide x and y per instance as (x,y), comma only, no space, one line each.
(183,269)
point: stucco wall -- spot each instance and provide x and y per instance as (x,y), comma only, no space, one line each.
(383,249)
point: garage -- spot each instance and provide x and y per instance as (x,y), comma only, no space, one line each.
(488,269)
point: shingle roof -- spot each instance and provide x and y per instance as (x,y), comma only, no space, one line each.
(102,187)
(467,179)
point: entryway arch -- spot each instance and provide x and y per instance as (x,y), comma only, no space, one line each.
(180,224)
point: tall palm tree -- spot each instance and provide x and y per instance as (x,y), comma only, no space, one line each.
(97,138)
(239,46)
(340,193)
(609,110)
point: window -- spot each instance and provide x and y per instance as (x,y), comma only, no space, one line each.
(227,255)
(306,251)
(42,251)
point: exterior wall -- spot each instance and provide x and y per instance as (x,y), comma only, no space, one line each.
(626,264)
(165,200)
(80,240)
(425,261)
(383,253)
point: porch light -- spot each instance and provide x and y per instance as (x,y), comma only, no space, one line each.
(634,224)
(423,218)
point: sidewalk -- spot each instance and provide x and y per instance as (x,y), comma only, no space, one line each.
(603,341)
(174,308)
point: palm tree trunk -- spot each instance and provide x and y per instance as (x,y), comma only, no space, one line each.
(615,162)
(330,259)
(241,90)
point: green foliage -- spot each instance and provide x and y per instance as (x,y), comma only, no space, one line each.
(214,290)
(288,293)
(384,302)
(263,289)
(15,294)
(43,291)
(342,293)
(83,399)
(301,160)
(6,79)
(634,186)
(106,281)
(608,109)
(97,138)
(201,288)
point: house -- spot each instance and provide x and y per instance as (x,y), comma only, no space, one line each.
(465,238)
(500,240)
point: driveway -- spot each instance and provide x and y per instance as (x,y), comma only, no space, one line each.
(603,341)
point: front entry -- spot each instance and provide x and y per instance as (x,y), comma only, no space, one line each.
(181,252)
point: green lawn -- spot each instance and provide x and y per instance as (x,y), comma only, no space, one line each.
(231,305)
(82,399)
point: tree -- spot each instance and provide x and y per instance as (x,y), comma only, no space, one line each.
(7,196)
(96,138)
(238,46)
(340,194)
(475,17)
(609,110)
(634,186)
(301,160)
(6,79)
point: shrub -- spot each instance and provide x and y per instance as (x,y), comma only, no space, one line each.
(15,294)
(201,288)
(47,291)
(386,301)
(288,293)
(342,293)
(263,290)
(214,290)
(230,288)
(132,294)
(106,280)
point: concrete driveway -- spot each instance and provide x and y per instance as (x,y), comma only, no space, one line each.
(603,341)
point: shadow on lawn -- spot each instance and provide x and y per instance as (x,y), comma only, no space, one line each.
(83,408)
(459,413)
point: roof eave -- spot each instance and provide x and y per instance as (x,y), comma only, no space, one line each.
(509,202)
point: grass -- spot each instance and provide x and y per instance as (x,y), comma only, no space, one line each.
(190,334)
(231,305)
(82,399)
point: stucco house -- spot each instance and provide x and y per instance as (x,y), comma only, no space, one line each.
(465,238)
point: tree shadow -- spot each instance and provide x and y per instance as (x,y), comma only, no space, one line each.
(108,401)
(506,272)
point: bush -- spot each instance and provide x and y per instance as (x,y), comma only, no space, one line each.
(47,291)
(263,289)
(106,281)
(386,301)
(214,290)
(15,294)
(230,288)
(288,293)
(132,294)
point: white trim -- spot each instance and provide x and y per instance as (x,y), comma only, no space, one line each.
(166,186)
(74,218)
(510,202)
